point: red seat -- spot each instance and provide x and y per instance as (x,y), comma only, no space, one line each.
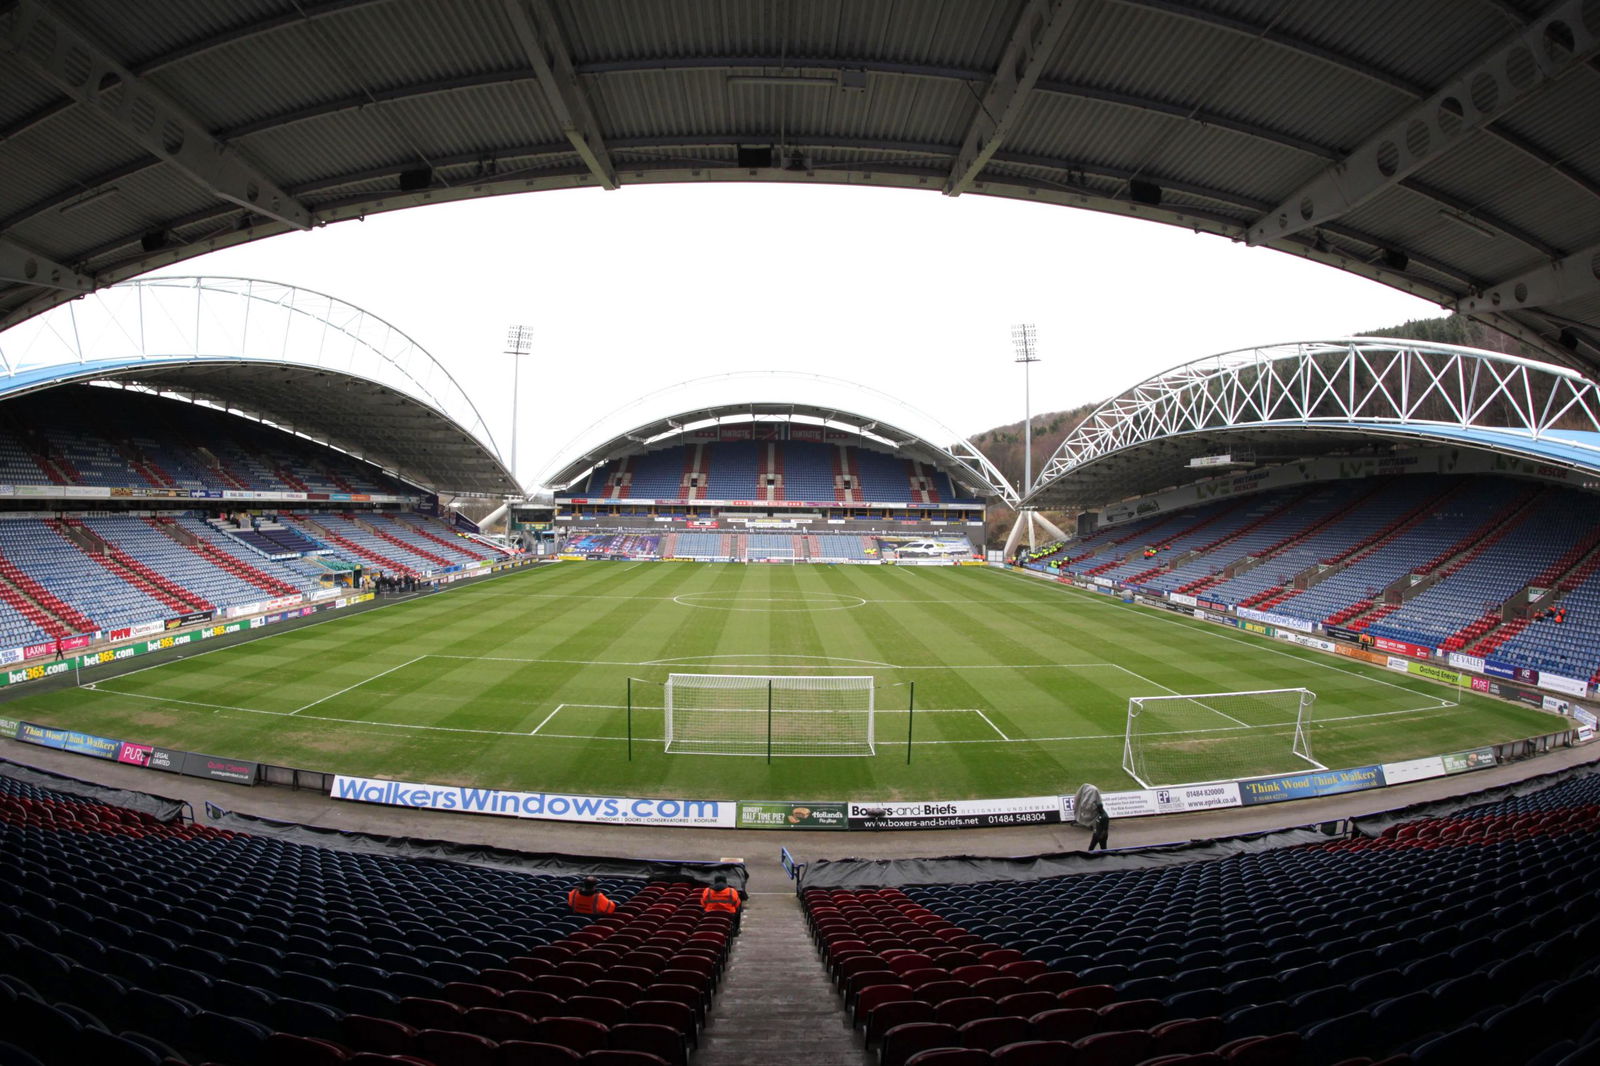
(1057,981)
(533,1003)
(622,991)
(688,995)
(633,972)
(1034,1053)
(458,1049)
(937,992)
(675,1016)
(386,1037)
(995,987)
(1024,968)
(559,985)
(498,1024)
(974,973)
(1000,956)
(617,1057)
(886,1016)
(1068,1024)
(1122,1048)
(471,994)
(876,994)
(504,980)
(995,1032)
(306,1050)
(582,971)
(904,1041)
(536,1053)
(959,1010)
(1279,1050)
(529,966)
(1188,1036)
(582,1035)
(1092,996)
(659,1040)
(950,1056)
(1133,1014)
(907,961)
(1027,1004)
(607,1012)
(420,1013)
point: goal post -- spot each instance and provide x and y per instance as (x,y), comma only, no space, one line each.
(1218,736)
(759,714)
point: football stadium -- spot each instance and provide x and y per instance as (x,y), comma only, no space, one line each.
(1259,734)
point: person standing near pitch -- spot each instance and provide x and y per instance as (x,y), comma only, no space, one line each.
(719,897)
(1102,829)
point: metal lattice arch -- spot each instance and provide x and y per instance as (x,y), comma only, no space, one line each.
(1258,406)
(301,360)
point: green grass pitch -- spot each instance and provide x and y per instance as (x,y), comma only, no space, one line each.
(1021,687)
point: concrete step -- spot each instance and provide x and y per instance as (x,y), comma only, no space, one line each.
(776,1004)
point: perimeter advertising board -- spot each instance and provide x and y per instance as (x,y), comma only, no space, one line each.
(551,806)
(772,814)
(1461,762)
(1308,786)
(1171,799)
(955,814)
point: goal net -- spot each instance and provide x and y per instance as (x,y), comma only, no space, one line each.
(1218,736)
(724,714)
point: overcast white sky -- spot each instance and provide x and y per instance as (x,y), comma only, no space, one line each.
(909,293)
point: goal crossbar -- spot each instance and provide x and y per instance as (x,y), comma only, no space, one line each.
(1190,738)
(770,714)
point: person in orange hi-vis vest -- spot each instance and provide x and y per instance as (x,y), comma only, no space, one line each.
(719,897)
(588,899)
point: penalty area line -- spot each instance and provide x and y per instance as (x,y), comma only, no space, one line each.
(358,684)
(992,726)
(535,730)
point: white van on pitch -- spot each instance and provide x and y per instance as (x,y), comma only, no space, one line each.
(933,547)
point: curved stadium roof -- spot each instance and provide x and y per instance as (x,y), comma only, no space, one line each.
(1443,148)
(1360,396)
(305,362)
(964,463)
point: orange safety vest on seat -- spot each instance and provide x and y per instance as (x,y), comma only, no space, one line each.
(725,900)
(595,904)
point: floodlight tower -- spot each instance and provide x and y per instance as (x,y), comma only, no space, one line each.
(519,342)
(1024,338)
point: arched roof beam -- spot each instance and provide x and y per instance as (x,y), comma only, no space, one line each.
(539,36)
(1034,37)
(138,112)
(1562,279)
(25,266)
(1271,35)
(1360,384)
(1521,65)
